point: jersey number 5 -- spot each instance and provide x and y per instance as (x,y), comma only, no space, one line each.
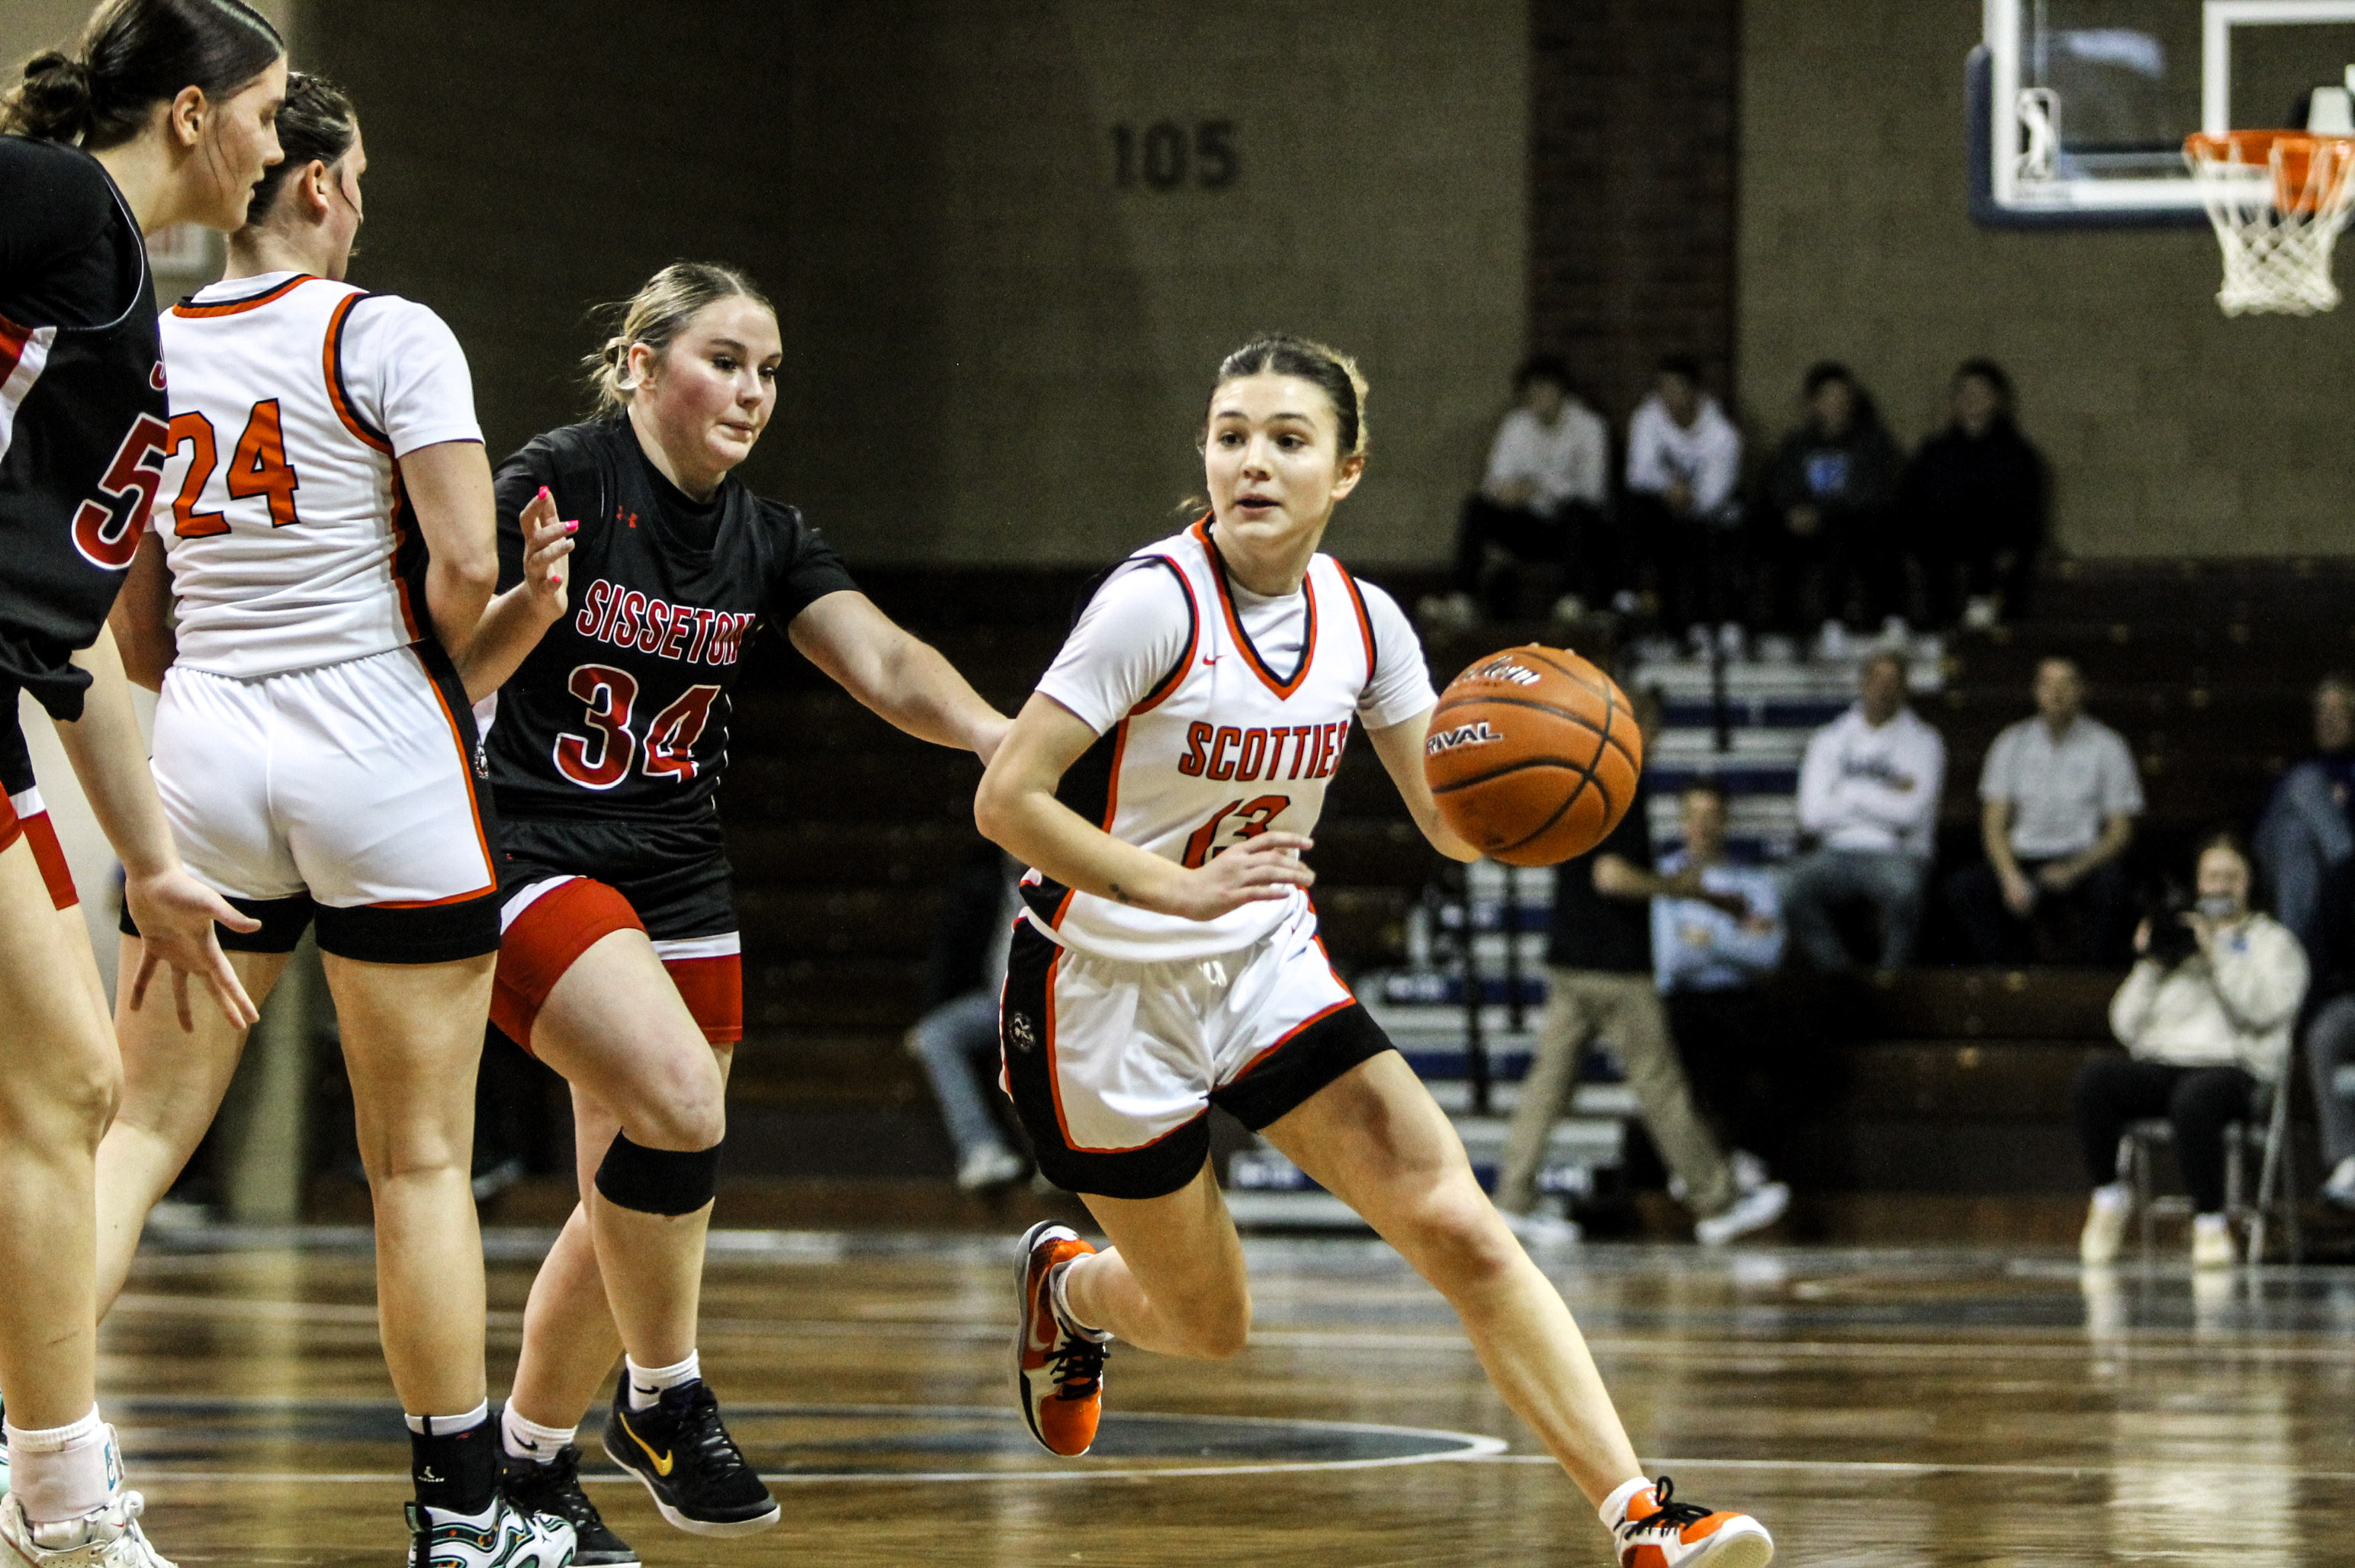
(1243,820)
(602,760)
(107,531)
(257,467)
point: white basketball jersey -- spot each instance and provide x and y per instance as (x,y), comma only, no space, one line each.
(1223,749)
(290,542)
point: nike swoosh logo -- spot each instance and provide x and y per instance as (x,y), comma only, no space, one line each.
(662,1461)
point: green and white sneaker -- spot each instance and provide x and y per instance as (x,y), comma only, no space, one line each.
(103,1538)
(511,1540)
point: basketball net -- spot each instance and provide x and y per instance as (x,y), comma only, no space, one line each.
(2277,200)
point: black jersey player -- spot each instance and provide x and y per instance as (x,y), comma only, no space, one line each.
(161,114)
(619,966)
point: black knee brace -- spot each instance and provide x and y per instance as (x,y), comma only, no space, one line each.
(657,1180)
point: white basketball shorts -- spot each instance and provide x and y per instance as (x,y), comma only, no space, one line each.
(1113,1066)
(347,792)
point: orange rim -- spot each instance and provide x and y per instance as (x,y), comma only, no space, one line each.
(2291,155)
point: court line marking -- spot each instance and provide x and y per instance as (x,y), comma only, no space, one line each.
(1463,1445)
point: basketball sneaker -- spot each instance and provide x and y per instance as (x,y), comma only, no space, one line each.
(680,1448)
(1058,1365)
(553,1487)
(512,1538)
(109,1536)
(1655,1530)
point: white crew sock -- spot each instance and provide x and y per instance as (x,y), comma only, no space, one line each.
(647,1384)
(525,1439)
(63,1472)
(1614,1510)
(1061,1301)
(442,1425)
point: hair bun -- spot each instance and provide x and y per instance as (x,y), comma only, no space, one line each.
(55,101)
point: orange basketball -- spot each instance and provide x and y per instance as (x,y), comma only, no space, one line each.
(1533,755)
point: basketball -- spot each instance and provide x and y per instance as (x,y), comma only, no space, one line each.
(1533,755)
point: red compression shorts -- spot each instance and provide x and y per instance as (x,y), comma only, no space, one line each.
(550,933)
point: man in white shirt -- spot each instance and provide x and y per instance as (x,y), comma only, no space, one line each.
(1540,503)
(1868,795)
(1684,459)
(2057,803)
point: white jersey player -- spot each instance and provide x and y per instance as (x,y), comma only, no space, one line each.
(1163,782)
(329,547)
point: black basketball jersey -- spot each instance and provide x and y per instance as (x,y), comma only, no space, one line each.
(83,432)
(622,710)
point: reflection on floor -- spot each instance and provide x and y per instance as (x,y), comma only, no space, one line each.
(1884,1407)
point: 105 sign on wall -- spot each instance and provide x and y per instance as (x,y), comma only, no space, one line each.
(1167,156)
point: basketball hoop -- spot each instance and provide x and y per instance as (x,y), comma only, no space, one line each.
(2277,199)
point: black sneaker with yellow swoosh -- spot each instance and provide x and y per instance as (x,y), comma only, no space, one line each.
(680,1450)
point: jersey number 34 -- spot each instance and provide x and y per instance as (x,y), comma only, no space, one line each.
(602,760)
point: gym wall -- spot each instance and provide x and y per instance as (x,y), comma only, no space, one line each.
(2171,429)
(1008,241)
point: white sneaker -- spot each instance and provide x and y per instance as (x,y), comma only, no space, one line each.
(1750,1172)
(1655,1530)
(1540,1229)
(2338,1192)
(511,1538)
(109,1536)
(2106,1224)
(991,1164)
(2211,1242)
(1754,1210)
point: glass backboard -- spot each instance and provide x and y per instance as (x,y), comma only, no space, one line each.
(2079,108)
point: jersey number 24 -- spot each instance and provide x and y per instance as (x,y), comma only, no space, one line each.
(602,760)
(257,467)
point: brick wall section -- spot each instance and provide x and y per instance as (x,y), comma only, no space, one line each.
(1632,151)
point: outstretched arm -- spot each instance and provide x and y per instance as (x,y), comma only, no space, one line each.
(1399,747)
(1017,808)
(898,675)
(174,912)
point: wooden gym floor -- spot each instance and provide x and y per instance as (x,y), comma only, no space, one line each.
(1889,1407)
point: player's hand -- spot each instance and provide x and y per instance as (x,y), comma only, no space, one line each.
(175,914)
(1264,869)
(546,540)
(2019,893)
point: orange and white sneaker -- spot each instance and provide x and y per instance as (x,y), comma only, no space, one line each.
(1058,1366)
(1654,1531)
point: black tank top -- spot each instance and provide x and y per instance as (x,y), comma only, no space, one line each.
(83,434)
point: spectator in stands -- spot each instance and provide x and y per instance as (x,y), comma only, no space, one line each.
(1599,985)
(1869,793)
(1710,951)
(1830,527)
(2305,834)
(1541,505)
(1682,521)
(2205,1018)
(957,1039)
(2057,803)
(1974,501)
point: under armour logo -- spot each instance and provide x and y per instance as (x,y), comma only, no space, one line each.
(1020,1031)
(427,1475)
